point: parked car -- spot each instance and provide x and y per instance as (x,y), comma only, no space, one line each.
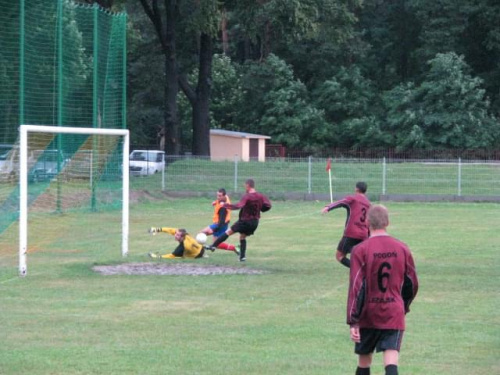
(47,166)
(9,162)
(146,162)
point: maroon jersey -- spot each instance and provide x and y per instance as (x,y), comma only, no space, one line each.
(251,205)
(357,206)
(383,283)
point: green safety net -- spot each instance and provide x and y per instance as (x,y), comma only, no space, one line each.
(61,64)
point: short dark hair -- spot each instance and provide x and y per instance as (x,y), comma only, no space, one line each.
(250,182)
(183,232)
(362,186)
(222,190)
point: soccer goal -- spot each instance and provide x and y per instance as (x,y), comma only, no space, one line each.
(73,189)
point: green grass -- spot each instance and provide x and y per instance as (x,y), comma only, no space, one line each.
(63,318)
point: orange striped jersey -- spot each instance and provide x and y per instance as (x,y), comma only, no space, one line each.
(217,208)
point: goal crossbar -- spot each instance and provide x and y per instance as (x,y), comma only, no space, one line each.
(23,181)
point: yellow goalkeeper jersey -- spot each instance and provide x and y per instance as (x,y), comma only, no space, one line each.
(192,249)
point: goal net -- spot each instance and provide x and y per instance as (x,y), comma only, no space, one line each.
(73,191)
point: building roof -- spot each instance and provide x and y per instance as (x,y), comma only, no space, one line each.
(228,133)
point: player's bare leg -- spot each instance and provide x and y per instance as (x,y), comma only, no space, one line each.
(364,363)
(391,358)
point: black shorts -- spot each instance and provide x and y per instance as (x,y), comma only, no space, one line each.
(247,227)
(378,339)
(347,243)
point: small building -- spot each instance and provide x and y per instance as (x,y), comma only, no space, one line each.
(225,145)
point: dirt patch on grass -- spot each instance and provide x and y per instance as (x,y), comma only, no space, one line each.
(175,269)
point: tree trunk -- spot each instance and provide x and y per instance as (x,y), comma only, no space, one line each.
(167,35)
(172,127)
(225,37)
(201,104)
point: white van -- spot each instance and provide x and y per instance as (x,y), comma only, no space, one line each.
(146,162)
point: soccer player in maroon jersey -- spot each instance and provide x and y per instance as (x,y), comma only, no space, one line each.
(356,228)
(383,283)
(250,205)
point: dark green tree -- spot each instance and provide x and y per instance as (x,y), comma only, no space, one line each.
(447,110)
(278,105)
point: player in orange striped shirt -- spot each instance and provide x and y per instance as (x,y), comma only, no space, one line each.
(220,220)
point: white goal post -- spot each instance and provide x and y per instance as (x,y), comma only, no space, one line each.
(23,181)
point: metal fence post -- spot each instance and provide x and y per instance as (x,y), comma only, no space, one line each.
(309,183)
(459,177)
(235,172)
(163,174)
(384,175)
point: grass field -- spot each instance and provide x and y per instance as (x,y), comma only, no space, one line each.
(64,318)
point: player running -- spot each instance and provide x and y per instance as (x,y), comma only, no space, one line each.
(251,205)
(356,228)
(188,247)
(220,220)
(383,283)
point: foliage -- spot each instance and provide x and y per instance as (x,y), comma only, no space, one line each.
(358,69)
(145,91)
(349,102)
(276,104)
(447,110)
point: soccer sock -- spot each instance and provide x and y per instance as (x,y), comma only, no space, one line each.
(243,248)
(220,240)
(363,371)
(391,370)
(226,246)
(346,262)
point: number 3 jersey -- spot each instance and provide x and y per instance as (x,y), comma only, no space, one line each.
(357,206)
(383,283)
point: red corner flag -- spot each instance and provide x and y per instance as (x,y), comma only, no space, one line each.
(329,165)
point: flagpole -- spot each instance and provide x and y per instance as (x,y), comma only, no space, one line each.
(330,179)
(329,169)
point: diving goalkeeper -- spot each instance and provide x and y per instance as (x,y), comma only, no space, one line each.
(188,247)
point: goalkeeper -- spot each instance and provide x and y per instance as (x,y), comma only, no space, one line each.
(188,247)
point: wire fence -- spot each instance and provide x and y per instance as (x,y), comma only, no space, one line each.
(308,178)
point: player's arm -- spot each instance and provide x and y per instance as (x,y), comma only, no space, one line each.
(266,204)
(357,289)
(222,219)
(332,206)
(154,230)
(238,205)
(410,285)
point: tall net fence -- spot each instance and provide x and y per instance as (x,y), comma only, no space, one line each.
(61,63)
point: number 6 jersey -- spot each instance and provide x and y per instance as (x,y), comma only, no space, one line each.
(383,283)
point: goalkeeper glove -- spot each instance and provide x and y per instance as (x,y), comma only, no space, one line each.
(154,230)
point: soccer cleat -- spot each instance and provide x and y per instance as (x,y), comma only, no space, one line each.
(211,248)
(237,250)
(243,259)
